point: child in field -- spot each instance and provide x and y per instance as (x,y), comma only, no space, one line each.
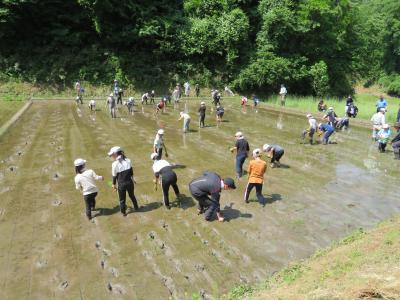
(85,181)
(160,106)
(257,168)
(383,137)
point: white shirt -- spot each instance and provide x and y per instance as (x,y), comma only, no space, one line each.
(86,182)
(313,123)
(158,142)
(378,118)
(185,116)
(283,91)
(120,165)
(92,102)
(159,164)
(187,85)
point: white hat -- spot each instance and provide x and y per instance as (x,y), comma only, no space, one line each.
(160,131)
(153,156)
(114,150)
(385,126)
(202,103)
(79,162)
(330,108)
(266,147)
(382,109)
(256,152)
(181,113)
(111,94)
(239,134)
(309,116)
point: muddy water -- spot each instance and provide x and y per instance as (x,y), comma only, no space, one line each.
(48,248)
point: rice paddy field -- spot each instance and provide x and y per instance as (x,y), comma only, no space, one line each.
(48,249)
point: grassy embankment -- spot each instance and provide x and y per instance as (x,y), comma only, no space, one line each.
(364,265)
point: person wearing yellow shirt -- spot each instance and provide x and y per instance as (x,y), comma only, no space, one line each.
(256,171)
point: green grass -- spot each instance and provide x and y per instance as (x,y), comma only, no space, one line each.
(8,109)
(364,102)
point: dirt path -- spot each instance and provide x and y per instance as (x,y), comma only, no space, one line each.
(48,249)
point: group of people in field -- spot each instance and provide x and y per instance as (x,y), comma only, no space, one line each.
(206,189)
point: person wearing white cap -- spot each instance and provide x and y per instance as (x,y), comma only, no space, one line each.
(283,93)
(257,168)
(159,144)
(92,105)
(165,176)
(186,121)
(383,137)
(122,173)
(112,105)
(242,149)
(312,128)
(275,153)
(378,119)
(85,181)
(330,116)
(202,114)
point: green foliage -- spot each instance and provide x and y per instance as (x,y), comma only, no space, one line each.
(393,88)
(320,78)
(239,292)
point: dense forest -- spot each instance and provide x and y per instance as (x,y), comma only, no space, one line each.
(319,47)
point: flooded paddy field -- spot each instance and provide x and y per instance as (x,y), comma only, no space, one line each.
(48,249)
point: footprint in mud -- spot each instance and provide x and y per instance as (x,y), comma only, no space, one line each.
(102,264)
(164,224)
(152,235)
(63,285)
(56,202)
(351,205)
(199,267)
(118,289)
(97,245)
(169,284)
(12,168)
(57,235)
(56,176)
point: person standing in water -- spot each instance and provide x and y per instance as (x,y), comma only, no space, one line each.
(85,181)
(383,137)
(197,90)
(207,191)
(186,121)
(330,116)
(202,114)
(242,149)
(275,153)
(378,119)
(122,178)
(186,85)
(257,168)
(220,113)
(312,128)
(112,105)
(165,176)
(327,130)
(283,93)
(396,142)
(159,144)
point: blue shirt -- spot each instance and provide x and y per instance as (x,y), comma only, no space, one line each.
(326,128)
(381,103)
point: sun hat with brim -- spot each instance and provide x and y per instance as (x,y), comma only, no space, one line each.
(79,162)
(385,126)
(202,103)
(153,156)
(239,134)
(256,152)
(230,183)
(160,131)
(266,147)
(114,150)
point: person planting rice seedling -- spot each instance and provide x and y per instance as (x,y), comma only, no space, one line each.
(186,85)
(322,106)
(145,98)
(160,106)
(312,128)
(383,137)
(327,130)
(378,119)
(186,121)
(129,104)
(152,97)
(330,116)
(159,144)
(165,176)
(275,153)
(207,191)
(119,95)
(216,97)
(396,142)
(197,90)
(92,105)
(256,170)
(219,111)
(242,149)
(202,114)
(122,178)
(342,123)
(85,181)
(78,100)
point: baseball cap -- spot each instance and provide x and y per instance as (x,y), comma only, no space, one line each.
(266,147)
(230,183)
(202,103)
(153,156)
(256,152)
(160,131)
(111,94)
(79,162)
(309,115)
(239,134)
(114,150)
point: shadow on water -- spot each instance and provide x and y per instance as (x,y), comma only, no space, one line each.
(283,166)
(150,206)
(231,213)
(178,166)
(272,198)
(192,130)
(105,211)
